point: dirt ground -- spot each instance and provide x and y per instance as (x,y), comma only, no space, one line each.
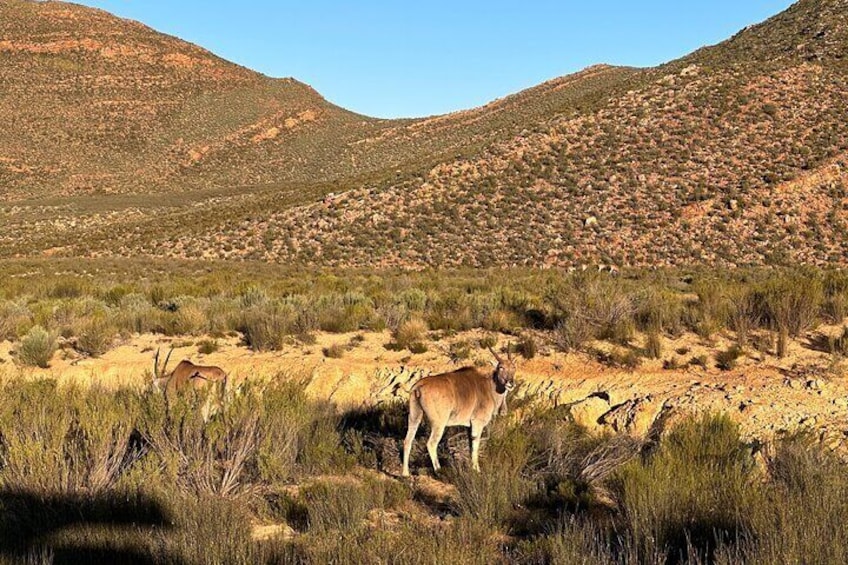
(806,390)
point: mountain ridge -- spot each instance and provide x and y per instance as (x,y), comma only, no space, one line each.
(675,164)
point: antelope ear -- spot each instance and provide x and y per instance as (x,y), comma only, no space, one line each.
(494,363)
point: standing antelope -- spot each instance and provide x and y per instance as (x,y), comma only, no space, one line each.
(185,375)
(466,397)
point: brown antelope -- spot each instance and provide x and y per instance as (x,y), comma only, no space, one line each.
(467,397)
(185,375)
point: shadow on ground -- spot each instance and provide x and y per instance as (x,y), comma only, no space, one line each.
(79,528)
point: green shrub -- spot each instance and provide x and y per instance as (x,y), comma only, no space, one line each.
(95,336)
(207,346)
(693,492)
(527,347)
(410,333)
(37,348)
(14,318)
(336,506)
(265,329)
(459,351)
(490,496)
(653,345)
(792,302)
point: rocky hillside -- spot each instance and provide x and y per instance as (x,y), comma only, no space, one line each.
(736,154)
(93,103)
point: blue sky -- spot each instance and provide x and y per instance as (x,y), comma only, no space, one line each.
(417,58)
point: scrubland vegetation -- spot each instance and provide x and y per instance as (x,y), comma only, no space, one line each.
(761,309)
(126,476)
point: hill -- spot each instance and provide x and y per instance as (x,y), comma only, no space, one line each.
(736,154)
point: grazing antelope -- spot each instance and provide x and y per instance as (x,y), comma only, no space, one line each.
(467,397)
(185,375)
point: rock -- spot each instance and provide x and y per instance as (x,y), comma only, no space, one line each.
(815,384)
(792,383)
(635,417)
(589,411)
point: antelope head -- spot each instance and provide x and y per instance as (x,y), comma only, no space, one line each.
(504,370)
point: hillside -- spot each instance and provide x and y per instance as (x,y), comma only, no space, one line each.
(735,154)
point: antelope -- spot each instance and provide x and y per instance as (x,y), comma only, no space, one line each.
(185,375)
(467,397)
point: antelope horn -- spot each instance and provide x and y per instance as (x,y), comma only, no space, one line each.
(509,351)
(156,364)
(497,357)
(168,358)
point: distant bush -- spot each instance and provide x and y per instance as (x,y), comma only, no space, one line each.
(14,318)
(653,345)
(207,346)
(95,336)
(792,302)
(37,348)
(265,329)
(335,351)
(527,346)
(410,333)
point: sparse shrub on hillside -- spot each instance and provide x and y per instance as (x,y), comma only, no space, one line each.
(488,341)
(189,319)
(711,312)
(37,348)
(592,308)
(335,507)
(135,314)
(459,351)
(660,311)
(491,496)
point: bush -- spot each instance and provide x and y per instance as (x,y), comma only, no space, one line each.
(337,506)
(693,492)
(527,347)
(838,345)
(410,333)
(593,309)
(792,302)
(95,336)
(490,496)
(653,345)
(265,329)
(335,351)
(14,317)
(207,346)
(37,348)
(459,351)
